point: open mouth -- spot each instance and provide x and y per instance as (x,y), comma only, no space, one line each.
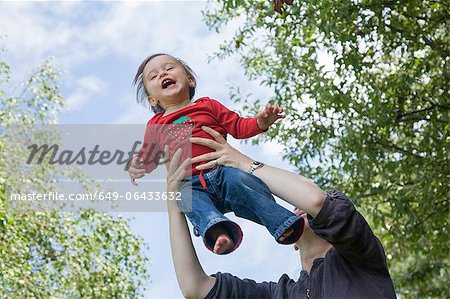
(167,82)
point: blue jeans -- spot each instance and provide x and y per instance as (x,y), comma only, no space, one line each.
(231,190)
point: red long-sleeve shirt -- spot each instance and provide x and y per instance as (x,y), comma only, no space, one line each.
(175,128)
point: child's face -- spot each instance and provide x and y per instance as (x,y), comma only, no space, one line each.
(167,81)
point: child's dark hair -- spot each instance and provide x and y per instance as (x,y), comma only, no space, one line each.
(142,93)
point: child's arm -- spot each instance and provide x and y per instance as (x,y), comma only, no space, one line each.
(241,127)
(148,157)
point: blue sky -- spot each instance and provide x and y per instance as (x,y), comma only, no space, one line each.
(98,47)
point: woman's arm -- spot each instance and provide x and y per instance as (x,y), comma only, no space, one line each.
(292,188)
(193,281)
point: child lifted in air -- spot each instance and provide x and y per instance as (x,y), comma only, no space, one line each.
(168,84)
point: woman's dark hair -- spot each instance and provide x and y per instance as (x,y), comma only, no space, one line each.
(142,93)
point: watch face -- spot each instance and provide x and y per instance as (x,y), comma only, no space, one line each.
(255,165)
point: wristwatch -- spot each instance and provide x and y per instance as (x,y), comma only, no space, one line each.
(255,165)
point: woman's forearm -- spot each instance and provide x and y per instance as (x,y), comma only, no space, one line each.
(292,188)
(193,281)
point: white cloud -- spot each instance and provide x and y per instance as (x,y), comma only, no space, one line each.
(134,114)
(31,35)
(127,30)
(85,89)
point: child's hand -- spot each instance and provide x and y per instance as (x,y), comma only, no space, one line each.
(136,169)
(269,115)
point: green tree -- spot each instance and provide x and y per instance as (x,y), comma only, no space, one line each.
(55,254)
(365,86)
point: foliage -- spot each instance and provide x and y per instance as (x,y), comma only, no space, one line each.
(365,86)
(56,254)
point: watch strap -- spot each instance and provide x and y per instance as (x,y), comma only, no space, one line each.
(255,165)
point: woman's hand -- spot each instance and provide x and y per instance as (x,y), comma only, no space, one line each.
(292,188)
(224,155)
(175,172)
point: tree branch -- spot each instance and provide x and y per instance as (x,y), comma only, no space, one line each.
(394,148)
(400,116)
